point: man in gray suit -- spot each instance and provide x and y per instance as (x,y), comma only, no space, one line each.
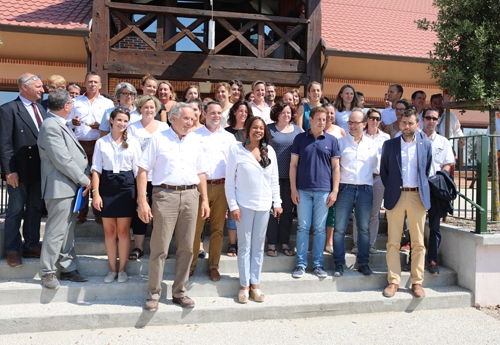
(64,166)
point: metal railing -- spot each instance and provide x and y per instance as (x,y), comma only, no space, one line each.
(471,175)
(4,197)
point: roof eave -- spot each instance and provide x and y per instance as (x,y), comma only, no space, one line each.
(329,51)
(79,32)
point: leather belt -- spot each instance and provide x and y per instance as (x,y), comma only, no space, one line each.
(218,181)
(167,186)
(407,189)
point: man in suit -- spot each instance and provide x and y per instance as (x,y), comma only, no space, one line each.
(64,164)
(20,121)
(404,169)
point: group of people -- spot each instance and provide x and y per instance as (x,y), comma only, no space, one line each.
(177,164)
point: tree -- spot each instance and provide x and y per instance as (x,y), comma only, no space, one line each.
(466,59)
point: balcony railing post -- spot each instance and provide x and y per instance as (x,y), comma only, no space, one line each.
(482,185)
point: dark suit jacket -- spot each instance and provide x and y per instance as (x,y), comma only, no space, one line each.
(391,173)
(18,148)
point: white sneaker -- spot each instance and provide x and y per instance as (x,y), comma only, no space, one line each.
(354,249)
(373,250)
(329,249)
(122,277)
(111,276)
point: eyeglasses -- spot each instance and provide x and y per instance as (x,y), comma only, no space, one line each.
(374,118)
(350,123)
(400,109)
(126,94)
(123,110)
(430,118)
(33,77)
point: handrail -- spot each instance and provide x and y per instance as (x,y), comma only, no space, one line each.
(470,201)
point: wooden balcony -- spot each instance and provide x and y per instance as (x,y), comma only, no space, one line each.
(123,44)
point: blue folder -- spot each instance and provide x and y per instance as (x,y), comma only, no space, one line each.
(81,200)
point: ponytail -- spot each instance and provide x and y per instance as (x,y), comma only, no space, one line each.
(124,137)
(264,158)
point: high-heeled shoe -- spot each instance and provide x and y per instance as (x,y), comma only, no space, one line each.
(257,295)
(243,296)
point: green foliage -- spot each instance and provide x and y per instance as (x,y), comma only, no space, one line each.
(466,58)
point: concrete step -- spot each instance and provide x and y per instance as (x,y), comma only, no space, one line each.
(44,317)
(27,291)
(97,265)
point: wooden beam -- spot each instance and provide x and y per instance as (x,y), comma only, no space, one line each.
(288,38)
(238,35)
(160,31)
(261,41)
(313,13)
(195,66)
(100,35)
(194,13)
(185,32)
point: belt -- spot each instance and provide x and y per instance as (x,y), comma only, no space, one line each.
(87,142)
(218,181)
(407,189)
(167,186)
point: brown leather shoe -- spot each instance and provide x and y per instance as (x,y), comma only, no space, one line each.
(417,290)
(81,219)
(152,305)
(214,275)
(390,290)
(14,260)
(34,253)
(184,301)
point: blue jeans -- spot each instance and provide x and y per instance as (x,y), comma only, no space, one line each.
(26,203)
(312,208)
(361,198)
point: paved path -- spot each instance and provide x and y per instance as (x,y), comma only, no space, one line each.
(451,326)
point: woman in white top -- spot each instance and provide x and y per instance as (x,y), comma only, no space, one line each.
(344,103)
(252,189)
(191,92)
(259,105)
(166,95)
(114,166)
(315,92)
(197,106)
(222,95)
(338,132)
(125,94)
(143,130)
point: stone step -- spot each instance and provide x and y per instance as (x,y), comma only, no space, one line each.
(27,291)
(97,265)
(61,316)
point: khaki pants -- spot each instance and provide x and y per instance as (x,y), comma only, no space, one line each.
(410,204)
(218,208)
(172,210)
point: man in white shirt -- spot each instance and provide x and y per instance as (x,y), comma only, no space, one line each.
(455,130)
(358,165)
(442,159)
(215,142)
(179,168)
(85,119)
(418,101)
(394,94)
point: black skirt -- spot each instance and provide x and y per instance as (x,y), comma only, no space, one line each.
(118,193)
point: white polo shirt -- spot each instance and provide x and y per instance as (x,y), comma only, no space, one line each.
(442,153)
(358,162)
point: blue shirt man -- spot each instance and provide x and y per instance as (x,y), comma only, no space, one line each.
(314,183)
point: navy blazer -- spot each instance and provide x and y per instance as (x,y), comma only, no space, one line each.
(18,147)
(391,174)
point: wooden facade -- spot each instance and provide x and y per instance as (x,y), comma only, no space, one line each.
(129,40)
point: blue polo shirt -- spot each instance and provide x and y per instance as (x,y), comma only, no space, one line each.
(314,170)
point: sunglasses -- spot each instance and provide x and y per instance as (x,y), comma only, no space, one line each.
(33,77)
(374,118)
(430,118)
(123,110)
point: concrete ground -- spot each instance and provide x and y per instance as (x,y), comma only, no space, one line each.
(450,326)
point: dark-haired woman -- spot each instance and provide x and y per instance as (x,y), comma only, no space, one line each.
(236,90)
(191,92)
(238,114)
(113,184)
(346,101)
(252,188)
(282,132)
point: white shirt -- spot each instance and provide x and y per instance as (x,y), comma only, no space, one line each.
(248,184)
(409,164)
(455,130)
(341,117)
(111,156)
(88,113)
(389,115)
(379,139)
(174,161)
(442,153)
(216,149)
(497,125)
(358,162)
(225,117)
(105,126)
(264,113)
(31,111)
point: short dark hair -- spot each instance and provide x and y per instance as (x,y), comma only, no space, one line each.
(426,110)
(414,95)
(437,95)
(398,87)
(205,108)
(270,84)
(91,73)
(360,94)
(410,112)
(404,102)
(278,108)
(57,99)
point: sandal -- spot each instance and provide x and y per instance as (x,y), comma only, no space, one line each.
(257,295)
(272,252)
(136,254)
(288,251)
(243,296)
(232,250)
